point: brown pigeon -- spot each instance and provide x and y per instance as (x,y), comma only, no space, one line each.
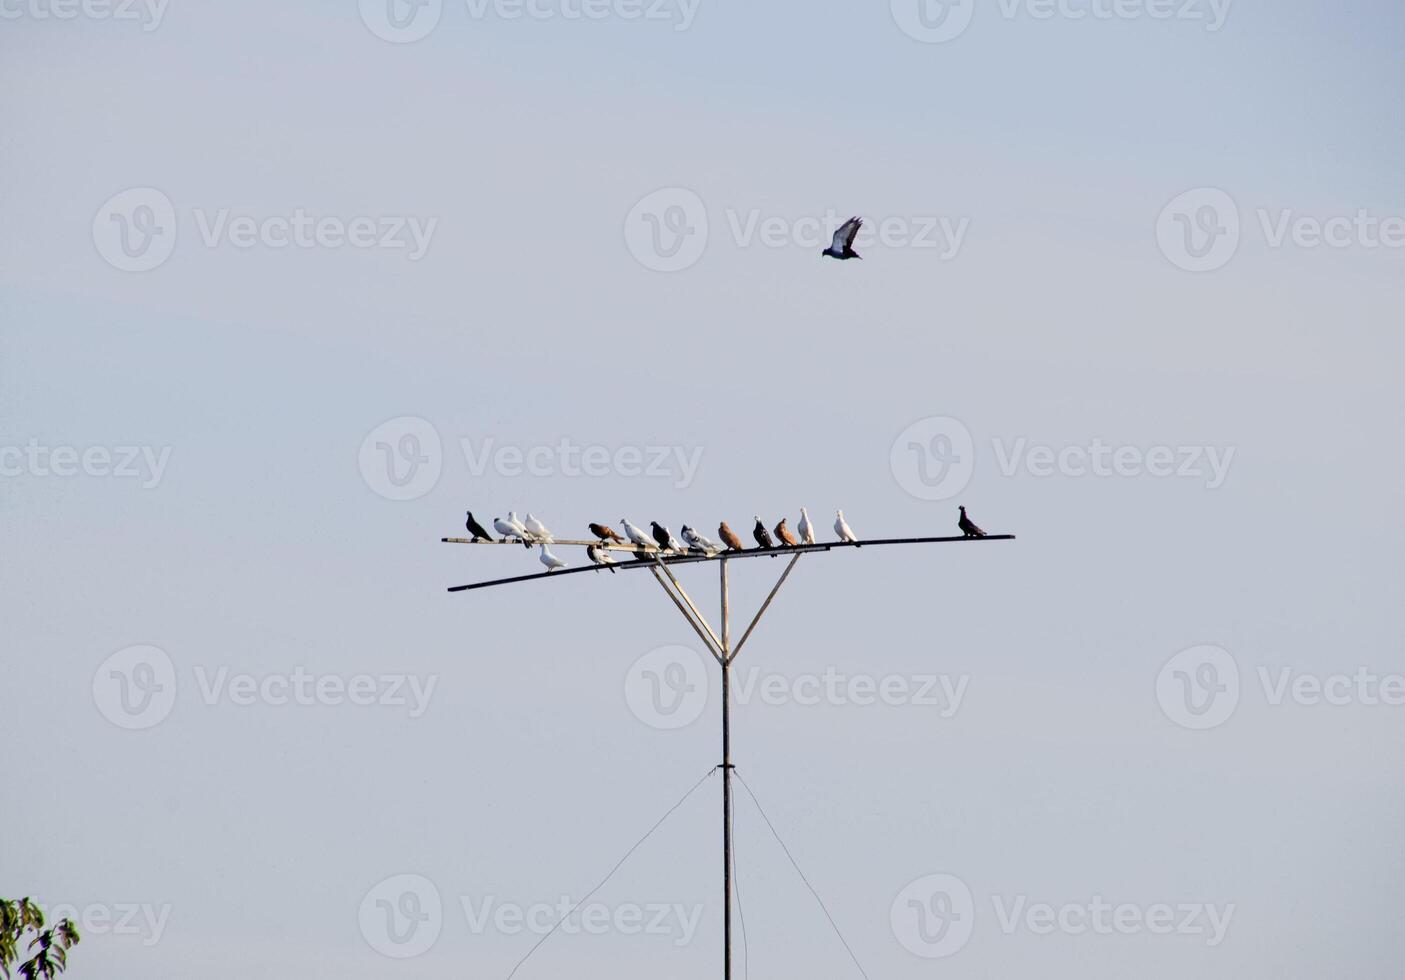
(729,537)
(606,534)
(785,536)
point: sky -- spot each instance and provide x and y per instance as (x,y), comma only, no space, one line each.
(285,291)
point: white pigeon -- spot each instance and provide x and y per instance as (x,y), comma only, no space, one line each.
(518,528)
(599,556)
(700,542)
(510,528)
(806,529)
(638,537)
(537,529)
(551,562)
(842,529)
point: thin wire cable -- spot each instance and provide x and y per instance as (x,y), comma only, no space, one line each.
(832,924)
(737,890)
(637,844)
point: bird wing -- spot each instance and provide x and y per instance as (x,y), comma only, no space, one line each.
(844,237)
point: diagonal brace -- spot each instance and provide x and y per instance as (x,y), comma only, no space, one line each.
(702,629)
(760,612)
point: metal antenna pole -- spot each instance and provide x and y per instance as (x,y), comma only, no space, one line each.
(726,783)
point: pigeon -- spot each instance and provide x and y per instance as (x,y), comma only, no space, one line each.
(968,526)
(842,246)
(538,530)
(551,562)
(510,529)
(762,536)
(665,538)
(476,529)
(842,528)
(698,542)
(606,533)
(636,536)
(600,556)
(783,533)
(729,537)
(806,529)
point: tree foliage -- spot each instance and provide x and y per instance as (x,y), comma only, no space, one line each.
(48,950)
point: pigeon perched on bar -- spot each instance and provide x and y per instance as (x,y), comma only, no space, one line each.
(476,529)
(806,529)
(729,537)
(842,246)
(841,528)
(600,557)
(551,562)
(606,533)
(784,535)
(636,536)
(968,527)
(538,530)
(511,529)
(665,538)
(762,536)
(698,542)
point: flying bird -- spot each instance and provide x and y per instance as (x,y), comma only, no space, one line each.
(699,542)
(968,526)
(600,556)
(636,536)
(806,529)
(538,530)
(842,246)
(841,528)
(551,562)
(511,529)
(729,537)
(476,529)
(783,533)
(762,536)
(606,533)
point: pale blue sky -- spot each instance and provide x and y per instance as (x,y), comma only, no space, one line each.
(262,548)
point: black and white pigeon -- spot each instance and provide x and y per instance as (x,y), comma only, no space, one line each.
(699,542)
(665,538)
(842,245)
(968,526)
(600,556)
(762,536)
(476,529)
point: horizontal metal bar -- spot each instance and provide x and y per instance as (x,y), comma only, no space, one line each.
(689,559)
